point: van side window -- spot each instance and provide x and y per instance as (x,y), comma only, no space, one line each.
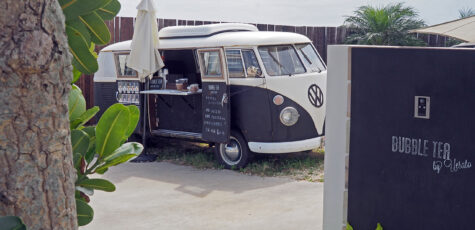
(235,66)
(122,69)
(211,64)
(251,64)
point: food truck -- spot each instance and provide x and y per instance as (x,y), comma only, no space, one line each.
(242,90)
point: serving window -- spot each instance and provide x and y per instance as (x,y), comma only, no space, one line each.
(123,71)
(211,63)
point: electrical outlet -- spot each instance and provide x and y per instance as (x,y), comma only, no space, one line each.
(422,107)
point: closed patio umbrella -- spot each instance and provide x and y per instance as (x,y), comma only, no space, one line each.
(462,29)
(145,58)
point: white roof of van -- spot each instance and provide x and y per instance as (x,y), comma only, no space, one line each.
(222,38)
(203,30)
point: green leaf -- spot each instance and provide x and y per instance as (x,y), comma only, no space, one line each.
(97,28)
(77,195)
(91,131)
(348,226)
(80,30)
(84,190)
(91,152)
(114,162)
(11,223)
(379,227)
(109,11)
(84,118)
(84,212)
(76,104)
(75,8)
(83,60)
(76,75)
(133,121)
(102,170)
(77,161)
(92,48)
(98,184)
(79,141)
(125,149)
(111,129)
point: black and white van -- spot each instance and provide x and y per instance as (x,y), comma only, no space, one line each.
(258,92)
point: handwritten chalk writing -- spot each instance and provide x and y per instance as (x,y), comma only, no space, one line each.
(453,165)
(412,146)
(437,166)
(440,152)
(215,124)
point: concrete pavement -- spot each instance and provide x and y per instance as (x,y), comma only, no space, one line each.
(167,196)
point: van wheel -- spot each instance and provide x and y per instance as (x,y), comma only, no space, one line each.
(235,154)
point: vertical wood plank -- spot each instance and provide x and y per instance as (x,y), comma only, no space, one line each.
(424,37)
(442,41)
(126,28)
(301,30)
(117,29)
(288,29)
(161,23)
(190,23)
(432,40)
(181,22)
(341,33)
(331,35)
(197,23)
(320,34)
(270,27)
(169,22)
(309,33)
(262,27)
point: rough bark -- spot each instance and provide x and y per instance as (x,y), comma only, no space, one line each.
(36,169)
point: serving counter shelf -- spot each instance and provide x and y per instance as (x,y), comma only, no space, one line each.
(170,92)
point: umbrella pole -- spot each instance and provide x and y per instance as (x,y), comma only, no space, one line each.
(145,113)
(144,156)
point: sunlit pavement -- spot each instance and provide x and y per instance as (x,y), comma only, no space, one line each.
(167,196)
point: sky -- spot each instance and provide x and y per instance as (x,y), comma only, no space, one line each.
(290,12)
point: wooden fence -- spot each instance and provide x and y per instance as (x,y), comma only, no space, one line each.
(122,29)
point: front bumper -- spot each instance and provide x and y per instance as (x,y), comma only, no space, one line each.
(285,147)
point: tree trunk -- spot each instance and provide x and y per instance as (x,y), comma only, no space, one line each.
(36,168)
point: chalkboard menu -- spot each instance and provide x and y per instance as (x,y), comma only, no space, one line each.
(156,83)
(408,171)
(216,123)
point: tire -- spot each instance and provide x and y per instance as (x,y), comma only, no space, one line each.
(235,154)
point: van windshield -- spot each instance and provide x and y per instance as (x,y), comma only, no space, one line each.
(310,57)
(281,60)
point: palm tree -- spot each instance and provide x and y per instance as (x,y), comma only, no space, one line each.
(388,25)
(466,12)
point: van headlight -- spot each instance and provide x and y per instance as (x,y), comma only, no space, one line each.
(289,116)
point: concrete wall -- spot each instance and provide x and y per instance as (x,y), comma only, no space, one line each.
(337,138)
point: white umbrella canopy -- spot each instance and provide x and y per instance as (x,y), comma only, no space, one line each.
(462,29)
(144,56)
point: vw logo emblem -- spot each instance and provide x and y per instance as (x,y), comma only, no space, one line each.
(315,95)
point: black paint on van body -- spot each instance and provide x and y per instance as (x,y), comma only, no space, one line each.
(258,118)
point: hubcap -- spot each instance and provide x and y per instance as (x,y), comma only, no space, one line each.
(231,152)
